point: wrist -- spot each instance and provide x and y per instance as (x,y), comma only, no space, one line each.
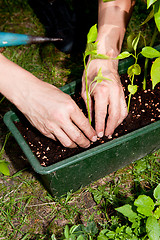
(110,38)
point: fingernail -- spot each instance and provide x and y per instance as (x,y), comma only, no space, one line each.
(94,139)
(100,134)
(109,136)
(87,146)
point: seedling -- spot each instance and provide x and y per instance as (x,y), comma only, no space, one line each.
(90,54)
(134,69)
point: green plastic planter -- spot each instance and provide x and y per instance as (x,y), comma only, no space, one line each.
(84,168)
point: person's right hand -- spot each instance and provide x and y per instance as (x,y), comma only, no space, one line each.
(57,116)
(50,110)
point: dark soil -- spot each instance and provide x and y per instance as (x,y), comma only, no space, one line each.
(144,109)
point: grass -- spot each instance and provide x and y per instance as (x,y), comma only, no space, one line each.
(27,211)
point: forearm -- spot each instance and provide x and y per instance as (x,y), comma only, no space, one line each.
(16,82)
(113,18)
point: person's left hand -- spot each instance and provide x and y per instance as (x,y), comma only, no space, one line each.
(108,96)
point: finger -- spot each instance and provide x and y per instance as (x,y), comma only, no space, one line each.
(42,128)
(124,110)
(101,104)
(114,114)
(64,139)
(49,135)
(74,133)
(83,124)
(60,135)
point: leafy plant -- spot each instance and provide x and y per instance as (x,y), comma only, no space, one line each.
(143,217)
(147,214)
(79,232)
(3,163)
(134,69)
(103,197)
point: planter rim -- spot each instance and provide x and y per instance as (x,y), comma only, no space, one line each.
(11,116)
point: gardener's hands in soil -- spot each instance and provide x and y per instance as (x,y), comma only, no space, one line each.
(108,97)
(51,111)
(58,117)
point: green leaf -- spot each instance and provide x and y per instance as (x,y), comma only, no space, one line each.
(150,2)
(91,47)
(91,228)
(155,72)
(132,89)
(140,165)
(149,17)
(145,205)
(127,211)
(97,195)
(92,35)
(66,231)
(110,234)
(99,56)
(53,237)
(108,0)
(134,69)
(5,141)
(156,192)
(156,8)
(99,78)
(102,237)
(150,52)
(135,41)
(75,228)
(157,213)
(123,55)
(4,167)
(129,230)
(80,237)
(153,228)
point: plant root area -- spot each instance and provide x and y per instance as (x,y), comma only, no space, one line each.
(144,109)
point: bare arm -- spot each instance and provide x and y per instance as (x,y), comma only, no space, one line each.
(50,110)
(113,18)
(109,97)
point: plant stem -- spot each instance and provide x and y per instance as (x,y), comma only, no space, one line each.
(129,100)
(87,93)
(146,60)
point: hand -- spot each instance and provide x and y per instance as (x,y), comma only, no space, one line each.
(51,111)
(108,96)
(57,116)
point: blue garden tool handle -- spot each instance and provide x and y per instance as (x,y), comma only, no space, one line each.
(14,39)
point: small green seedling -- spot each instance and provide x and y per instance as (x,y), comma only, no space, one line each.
(134,69)
(91,54)
(3,163)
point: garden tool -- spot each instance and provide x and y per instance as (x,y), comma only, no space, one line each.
(14,39)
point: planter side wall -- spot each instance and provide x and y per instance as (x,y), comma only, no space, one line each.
(92,168)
